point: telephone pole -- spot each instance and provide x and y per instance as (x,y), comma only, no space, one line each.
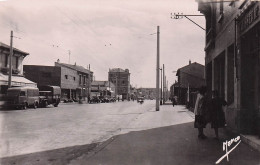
(161,87)
(163,96)
(157,69)
(10,61)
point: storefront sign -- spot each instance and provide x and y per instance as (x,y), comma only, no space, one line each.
(249,18)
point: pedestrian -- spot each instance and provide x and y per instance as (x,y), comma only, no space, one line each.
(217,113)
(199,111)
(173,101)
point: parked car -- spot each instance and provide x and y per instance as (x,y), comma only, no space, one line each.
(49,95)
(94,99)
(23,97)
(112,99)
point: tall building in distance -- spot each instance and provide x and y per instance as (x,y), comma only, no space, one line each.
(121,79)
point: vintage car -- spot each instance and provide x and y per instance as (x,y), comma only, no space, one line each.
(22,97)
(49,95)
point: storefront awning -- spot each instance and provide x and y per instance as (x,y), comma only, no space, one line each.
(16,81)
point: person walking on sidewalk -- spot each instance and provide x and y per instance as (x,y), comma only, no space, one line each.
(217,113)
(199,111)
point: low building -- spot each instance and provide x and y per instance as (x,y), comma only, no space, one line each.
(190,79)
(17,78)
(121,79)
(102,88)
(75,81)
(147,93)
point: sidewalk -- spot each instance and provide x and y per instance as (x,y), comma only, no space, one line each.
(173,145)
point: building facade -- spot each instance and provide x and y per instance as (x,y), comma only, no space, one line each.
(121,79)
(147,93)
(103,88)
(232,59)
(75,81)
(190,79)
(17,78)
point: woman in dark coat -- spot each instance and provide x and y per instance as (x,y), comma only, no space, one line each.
(217,113)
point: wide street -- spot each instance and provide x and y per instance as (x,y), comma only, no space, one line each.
(110,133)
(33,130)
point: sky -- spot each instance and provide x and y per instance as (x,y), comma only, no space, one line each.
(106,34)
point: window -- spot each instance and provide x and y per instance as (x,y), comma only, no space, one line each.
(74,78)
(80,77)
(22,93)
(17,62)
(66,76)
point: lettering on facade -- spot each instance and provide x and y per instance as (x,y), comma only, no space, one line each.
(249,18)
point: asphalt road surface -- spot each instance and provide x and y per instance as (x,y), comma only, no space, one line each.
(34,130)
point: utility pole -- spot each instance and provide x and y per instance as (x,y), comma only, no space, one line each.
(163,96)
(10,61)
(167,94)
(157,69)
(161,88)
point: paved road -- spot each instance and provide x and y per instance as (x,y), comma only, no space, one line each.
(29,131)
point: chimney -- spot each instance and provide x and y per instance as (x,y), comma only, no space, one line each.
(189,62)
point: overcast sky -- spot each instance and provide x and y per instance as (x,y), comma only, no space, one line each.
(105,34)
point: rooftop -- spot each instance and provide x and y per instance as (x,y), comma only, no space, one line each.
(75,67)
(14,49)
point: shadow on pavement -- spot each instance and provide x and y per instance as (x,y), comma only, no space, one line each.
(171,145)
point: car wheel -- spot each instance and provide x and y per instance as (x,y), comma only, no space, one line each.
(46,104)
(25,106)
(35,105)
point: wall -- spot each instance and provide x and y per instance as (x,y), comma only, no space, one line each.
(43,75)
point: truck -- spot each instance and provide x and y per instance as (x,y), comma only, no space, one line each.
(49,95)
(22,97)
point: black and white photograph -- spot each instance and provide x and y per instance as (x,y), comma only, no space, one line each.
(129,82)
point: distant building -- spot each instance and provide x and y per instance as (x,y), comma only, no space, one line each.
(147,93)
(74,80)
(102,88)
(190,79)
(17,69)
(121,79)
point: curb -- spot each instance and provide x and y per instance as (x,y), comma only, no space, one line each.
(252,141)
